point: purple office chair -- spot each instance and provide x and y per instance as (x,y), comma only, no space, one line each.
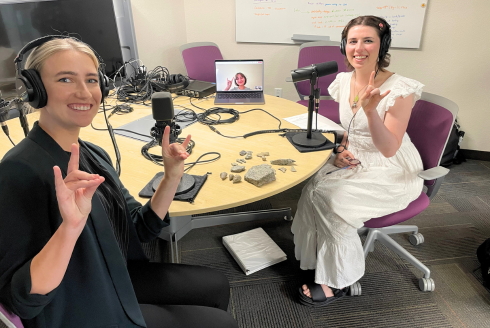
(9,320)
(199,60)
(429,128)
(314,53)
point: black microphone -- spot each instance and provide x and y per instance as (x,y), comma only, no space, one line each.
(4,115)
(321,69)
(162,108)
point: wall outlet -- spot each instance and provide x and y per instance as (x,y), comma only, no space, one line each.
(278,92)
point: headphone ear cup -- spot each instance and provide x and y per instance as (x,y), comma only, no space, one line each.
(38,98)
(343,42)
(104,85)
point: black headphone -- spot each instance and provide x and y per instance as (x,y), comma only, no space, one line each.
(29,85)
(176,83)
(385,39)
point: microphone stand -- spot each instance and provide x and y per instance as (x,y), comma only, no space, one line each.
(311,139)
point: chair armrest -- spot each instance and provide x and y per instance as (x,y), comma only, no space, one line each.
(433,173)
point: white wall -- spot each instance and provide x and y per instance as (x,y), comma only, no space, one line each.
(452,60)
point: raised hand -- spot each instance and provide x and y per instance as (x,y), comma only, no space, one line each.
(342,159)
(372,96)
(174,155)
(228,83)
(74,193)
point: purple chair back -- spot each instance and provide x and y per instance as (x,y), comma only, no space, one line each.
(319,52)
(199,60)
(12,319)
(430,124)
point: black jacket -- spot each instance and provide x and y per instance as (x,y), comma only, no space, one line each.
(96,290)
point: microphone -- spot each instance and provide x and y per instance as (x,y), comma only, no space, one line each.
(4,114)
(162,108)
(321,69)
(22,115)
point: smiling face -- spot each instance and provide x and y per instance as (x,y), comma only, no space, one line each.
(72,84)
(240,79)
(362,47)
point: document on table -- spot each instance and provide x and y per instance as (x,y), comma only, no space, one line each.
(324,123)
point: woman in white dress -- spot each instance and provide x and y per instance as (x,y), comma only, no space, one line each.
(375,106)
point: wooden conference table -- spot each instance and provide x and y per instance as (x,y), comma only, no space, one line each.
(215,194)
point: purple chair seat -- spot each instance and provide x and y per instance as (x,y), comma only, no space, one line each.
(199,60)
(12,318)
(327,108)
(414,208)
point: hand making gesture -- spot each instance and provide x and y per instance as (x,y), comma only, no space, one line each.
(372,96)
(228,83)
(174,155)
(75,192)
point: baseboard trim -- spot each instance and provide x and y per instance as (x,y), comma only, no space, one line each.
(476,154)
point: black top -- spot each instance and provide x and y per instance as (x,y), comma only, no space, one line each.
(96,290)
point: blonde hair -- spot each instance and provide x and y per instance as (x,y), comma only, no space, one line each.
(38,55)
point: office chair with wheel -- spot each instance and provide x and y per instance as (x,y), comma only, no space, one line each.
(9,320)
(314,53)
(429,128)
(199,60)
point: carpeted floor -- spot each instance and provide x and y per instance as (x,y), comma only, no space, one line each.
(456,222)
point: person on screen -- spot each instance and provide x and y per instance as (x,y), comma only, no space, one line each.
(71,233)
(240,81)
(376,104)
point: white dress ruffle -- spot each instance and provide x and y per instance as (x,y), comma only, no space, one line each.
(332,207)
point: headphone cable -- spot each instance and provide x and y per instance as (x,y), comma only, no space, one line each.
(113,138)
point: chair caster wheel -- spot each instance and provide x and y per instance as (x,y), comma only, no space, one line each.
(355,289)
(288,218)
(427,284)
(416,239)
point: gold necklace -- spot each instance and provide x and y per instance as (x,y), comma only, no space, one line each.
(356,98)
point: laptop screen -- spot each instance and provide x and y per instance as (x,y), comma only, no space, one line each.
(239,75)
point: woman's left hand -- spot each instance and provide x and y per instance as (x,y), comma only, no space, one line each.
(174,156)
(372,96)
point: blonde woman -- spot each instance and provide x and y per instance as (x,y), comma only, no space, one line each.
(70,233)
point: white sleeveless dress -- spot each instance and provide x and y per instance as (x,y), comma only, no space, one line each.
(332,207)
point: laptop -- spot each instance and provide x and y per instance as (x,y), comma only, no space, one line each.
(239,82)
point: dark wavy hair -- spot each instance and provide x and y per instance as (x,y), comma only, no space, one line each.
(374,22)
(243,77)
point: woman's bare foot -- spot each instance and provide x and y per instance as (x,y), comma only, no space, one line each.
(328,292)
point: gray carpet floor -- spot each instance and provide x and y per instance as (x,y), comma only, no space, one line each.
(455,223)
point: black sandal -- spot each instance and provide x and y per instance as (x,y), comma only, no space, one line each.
(318,298)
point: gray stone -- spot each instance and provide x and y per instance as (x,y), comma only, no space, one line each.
(266,153)
(293,169)
(243,153)
(237,178)
(283,161)
(264,158)
(231,176)
(282,169)
(260,175)
(237,169)
(234,164)
(223,175)
(249,156)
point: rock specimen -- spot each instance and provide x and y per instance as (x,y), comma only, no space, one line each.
(234,164)
(223,175)
(293,169)
(282,169)
(283,161)
(249,156)
(266,153)
(260,175)
(237,169)
(231,176)
(237,178)
(243,153)
(264,158)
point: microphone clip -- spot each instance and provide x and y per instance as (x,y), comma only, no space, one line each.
(157,131)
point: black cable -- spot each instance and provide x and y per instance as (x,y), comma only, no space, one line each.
(11,140)
(114,143)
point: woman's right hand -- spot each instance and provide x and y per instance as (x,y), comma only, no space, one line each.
(228,83)
(75,192)
(342,159)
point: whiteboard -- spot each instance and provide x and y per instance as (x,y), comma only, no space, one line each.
(275,21)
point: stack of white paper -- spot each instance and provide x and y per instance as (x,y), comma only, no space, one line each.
(324,123)
(253,250)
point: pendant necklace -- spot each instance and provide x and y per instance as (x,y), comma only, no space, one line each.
(356,98)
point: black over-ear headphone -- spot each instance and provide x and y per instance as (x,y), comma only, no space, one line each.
(176,82)
(29,85)
(385,40)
